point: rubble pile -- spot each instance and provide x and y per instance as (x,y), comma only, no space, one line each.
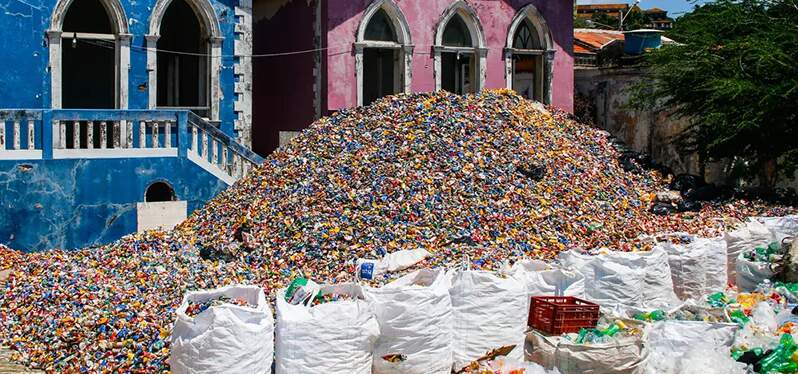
(485,178)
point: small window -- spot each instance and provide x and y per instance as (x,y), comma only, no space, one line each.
(380,28)
(159,191)
(456,33)
(526,37)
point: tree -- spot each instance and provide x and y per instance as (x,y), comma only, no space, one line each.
(734,75)
(636,19)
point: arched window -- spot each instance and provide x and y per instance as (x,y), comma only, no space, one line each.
(525,38)
(382,52)
(184,47)
(85,61)
(459,53)
(88,62)
(528,56)
(159,192)
(456,33)
(182,60)
(380,29)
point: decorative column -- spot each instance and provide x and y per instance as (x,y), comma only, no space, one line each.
(123,68)
(54,44)
(548,72)
(407,51)
(216,67)
(152,70)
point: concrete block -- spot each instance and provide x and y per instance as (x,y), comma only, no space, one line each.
(160,215)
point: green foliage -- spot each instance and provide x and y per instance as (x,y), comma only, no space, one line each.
(636,19)
(580,23)
(735,76)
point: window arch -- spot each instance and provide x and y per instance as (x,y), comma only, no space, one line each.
(380,29)
(383,52)
(529,55)
(201,87)
(96,56)
(459,52)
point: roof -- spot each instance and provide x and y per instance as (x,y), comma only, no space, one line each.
(592,39)
(580,49)
(602,7)
(655,10)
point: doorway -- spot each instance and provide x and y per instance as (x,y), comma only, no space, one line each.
(88,57)
(183,61)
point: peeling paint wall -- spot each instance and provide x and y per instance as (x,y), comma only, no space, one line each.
(344,16)
(283,94)
(25,78)
(68,204)
(645,131)
(290,91)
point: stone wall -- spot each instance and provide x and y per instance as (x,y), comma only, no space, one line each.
(608,90)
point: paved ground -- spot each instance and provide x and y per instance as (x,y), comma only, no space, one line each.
(7,367)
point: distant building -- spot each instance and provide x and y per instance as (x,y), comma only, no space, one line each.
(659,19)
(587,11)
(594,47)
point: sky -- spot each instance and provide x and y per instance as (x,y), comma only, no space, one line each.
(675,8)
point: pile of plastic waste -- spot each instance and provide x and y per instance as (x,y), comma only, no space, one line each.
(484,179)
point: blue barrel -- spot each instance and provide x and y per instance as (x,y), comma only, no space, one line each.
(638,41)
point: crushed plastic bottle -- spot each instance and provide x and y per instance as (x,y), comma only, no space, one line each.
(654,315)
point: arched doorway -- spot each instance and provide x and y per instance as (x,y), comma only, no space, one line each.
(383,52)
(184,57)
(459,51)
(182,61)
(89,48)
(88,68)
(529,55)
(159,192)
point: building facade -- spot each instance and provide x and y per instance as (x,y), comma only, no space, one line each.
(360,50)
(118,115)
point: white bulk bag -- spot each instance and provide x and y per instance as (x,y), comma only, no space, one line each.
(541,279)
(698,267)
(620,280)
(621,355)
(415,317)
(332,338)
(669,342)
(751,273)
(226,338)
(781,227)
(489,311)
(658,289)
(746,236)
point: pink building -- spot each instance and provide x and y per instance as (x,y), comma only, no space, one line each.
(355,51)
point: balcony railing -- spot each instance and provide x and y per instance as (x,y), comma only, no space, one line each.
(89,133)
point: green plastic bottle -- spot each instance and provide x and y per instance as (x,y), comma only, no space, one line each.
(779,359)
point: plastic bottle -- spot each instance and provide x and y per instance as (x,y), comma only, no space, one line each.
(780,360)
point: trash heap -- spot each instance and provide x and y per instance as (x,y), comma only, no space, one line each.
(481,179)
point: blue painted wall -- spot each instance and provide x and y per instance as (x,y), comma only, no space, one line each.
(70,204)
(24,54)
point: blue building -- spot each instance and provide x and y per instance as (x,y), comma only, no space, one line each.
(119,115)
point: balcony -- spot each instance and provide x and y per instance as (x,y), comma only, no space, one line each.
(45,134)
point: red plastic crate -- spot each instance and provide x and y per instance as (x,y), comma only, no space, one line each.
(557,315)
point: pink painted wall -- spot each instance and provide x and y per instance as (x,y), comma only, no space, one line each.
(344,17)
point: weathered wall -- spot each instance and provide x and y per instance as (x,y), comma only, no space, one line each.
(25,77)
(647,131)
(69,204)
(344,16)
(283,85)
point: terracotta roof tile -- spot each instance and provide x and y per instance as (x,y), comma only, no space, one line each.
(596,38)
